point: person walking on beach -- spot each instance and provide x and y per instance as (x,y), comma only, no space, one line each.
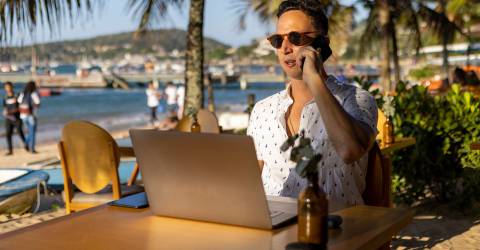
(180,100)
(12,117)
(171,94)
(340,119)
(153,100)
(29,103)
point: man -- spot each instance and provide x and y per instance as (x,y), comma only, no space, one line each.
(180,100)
(339,118)
(12,117)
(171,94)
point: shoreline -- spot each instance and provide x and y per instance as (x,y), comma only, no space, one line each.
(48,150)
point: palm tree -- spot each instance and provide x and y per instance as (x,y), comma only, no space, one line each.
(21,16)
(443,27)
(381,25)
(195,57)
(153,10)
(28,13)
(469,13)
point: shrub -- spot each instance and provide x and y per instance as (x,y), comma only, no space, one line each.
(441,161)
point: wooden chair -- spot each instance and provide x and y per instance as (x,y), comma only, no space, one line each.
(378,179)
(207,120)
(90,159)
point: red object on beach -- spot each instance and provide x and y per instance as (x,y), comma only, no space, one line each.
(45,92)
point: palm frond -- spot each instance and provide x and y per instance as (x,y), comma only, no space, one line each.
(150,11)
(409,19)
(264,9)
(25,15)
(371,33)
(439,22)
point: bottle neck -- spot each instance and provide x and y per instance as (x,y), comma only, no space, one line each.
(312,180)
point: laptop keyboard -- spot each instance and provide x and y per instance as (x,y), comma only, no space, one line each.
(274,214)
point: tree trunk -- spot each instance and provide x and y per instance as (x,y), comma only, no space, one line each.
(445,36)
(396,63)
(445,67)
(194,57)
(384,17)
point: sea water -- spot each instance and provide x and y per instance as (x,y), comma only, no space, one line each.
(115,109)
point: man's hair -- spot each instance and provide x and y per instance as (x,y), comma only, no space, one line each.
(8,84)
(312,8)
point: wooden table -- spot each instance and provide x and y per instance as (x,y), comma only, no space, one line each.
(475,146)
(106,227)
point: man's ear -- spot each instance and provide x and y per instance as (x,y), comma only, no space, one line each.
(327,39)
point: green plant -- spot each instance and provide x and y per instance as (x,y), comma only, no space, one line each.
(444,127)
(366,84)
(303,154)
(422,73)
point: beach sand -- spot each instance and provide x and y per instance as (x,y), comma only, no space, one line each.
(433,227)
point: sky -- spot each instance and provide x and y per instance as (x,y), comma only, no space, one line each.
(220,23)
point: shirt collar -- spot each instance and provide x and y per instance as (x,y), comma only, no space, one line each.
(286,99)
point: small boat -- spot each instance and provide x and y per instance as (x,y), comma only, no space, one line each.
(47,92)
(20,190)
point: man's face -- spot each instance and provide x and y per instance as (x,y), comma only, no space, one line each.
(8,88)
(293,20)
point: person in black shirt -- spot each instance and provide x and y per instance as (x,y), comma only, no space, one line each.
(12,117)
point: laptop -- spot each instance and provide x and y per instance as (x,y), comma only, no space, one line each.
(207,177)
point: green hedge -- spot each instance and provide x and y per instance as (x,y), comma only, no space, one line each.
(441,162)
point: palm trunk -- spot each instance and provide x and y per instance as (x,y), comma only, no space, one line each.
(445,36)
(445,67)
(384,17)
(396,63)
(194,57)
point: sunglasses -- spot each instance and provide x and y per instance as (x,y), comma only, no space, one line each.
(296,38)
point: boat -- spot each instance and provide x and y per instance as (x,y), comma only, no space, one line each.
(47,92)
(20,190)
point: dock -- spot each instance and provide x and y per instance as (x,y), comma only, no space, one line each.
(128,80)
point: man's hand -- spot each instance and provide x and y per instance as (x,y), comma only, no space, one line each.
(312,65)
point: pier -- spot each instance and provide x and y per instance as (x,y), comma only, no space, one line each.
(129,80)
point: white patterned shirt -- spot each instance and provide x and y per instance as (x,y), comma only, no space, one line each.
(342,182)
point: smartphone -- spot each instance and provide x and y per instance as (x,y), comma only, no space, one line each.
(320,42)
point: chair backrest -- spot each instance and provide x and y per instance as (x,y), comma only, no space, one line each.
(381,120)
(378,179)
(91,157)
(207,120)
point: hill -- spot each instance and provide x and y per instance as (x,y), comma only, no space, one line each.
(159,43)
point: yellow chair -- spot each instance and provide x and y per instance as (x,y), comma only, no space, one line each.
(207,120)
(90,159)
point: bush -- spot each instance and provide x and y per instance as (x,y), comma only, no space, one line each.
(441,162)
(423,73)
